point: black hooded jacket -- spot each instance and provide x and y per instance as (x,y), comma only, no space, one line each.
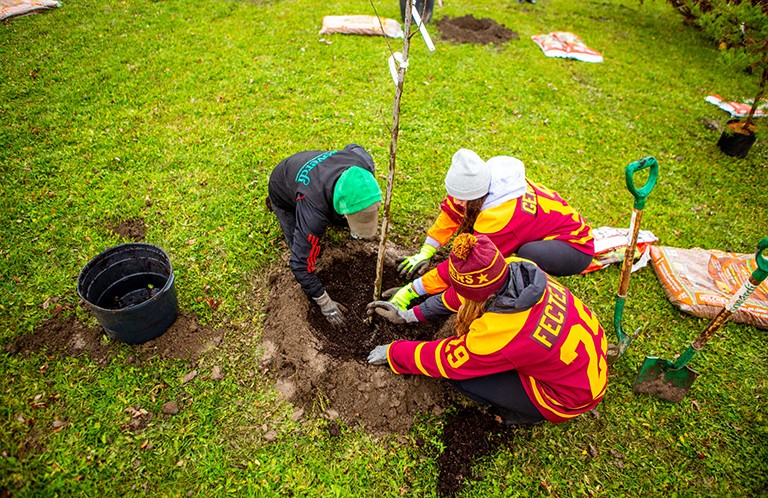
(301,193)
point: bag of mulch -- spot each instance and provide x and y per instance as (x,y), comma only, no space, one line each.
(361,25)
(15,8)
(701,282)
(611,244)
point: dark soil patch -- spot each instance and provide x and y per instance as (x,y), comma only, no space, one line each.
(469,29)
(185,339)
(469,434)
(132,229)
(350,282)
(317,366)
(314,365)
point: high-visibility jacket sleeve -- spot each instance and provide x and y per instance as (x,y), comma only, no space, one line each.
(447,222)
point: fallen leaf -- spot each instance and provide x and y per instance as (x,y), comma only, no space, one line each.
(191,375)
(217,374)
(695,405)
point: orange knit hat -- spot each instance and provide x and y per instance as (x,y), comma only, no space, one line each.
(476,267)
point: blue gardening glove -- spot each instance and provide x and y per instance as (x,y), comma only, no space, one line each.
(379,355)
(331,310)
(416,264)
(400,297)
(391,312)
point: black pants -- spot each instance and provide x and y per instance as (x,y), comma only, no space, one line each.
(504,390)
(555,257)
(287,220)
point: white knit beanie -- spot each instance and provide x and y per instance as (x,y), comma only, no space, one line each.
(469,177)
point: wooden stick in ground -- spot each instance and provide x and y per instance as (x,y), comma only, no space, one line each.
(392,155)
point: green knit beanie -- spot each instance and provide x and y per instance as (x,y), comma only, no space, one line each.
(355,190)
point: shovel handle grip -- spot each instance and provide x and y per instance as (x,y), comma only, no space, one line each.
(641,193)
(761,272)
(738,299)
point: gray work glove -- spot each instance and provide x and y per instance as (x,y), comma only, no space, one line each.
(379,355)
(418,264)
(391,312)
(332,310)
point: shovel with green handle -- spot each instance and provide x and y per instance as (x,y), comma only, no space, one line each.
(670,381)
(640,195)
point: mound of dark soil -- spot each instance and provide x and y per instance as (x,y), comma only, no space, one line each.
(469,434)
(185,339)
(132,228)
(469,29)
(350,282)
(316,365)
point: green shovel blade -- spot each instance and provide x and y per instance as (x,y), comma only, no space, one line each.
(660,378)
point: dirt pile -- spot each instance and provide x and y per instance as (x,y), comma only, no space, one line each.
(185,339)
(469,29)
(317,366)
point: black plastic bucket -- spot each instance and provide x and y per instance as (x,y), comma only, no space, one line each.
(735,144)
(130,290)
(419,9)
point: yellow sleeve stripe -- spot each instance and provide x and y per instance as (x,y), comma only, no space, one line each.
(445,303)
(544,404)
(417,358)
(438,361)
(389,359)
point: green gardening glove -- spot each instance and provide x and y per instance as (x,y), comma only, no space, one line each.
(416,264)
(402,298)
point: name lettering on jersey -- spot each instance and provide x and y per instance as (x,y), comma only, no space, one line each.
(552,320)
(303,175)
(528,201)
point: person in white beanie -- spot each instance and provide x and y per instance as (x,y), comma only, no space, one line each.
(521,217)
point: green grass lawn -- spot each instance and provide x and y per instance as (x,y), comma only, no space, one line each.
(175,112)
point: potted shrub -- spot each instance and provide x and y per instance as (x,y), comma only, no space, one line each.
(742,30)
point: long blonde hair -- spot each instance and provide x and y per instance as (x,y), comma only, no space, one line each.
(468,313)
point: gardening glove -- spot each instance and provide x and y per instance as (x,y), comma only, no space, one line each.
(400,296)
(391,312)
(379,355)
(331,310)
(416,264)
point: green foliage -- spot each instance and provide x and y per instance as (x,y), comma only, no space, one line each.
(741,28)
(176,111)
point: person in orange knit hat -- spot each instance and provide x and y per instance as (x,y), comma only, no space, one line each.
(523,343)
(521,217)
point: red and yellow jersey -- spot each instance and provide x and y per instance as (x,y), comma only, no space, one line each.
(556,345)
(540,214)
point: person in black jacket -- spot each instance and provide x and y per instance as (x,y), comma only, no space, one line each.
(313,189)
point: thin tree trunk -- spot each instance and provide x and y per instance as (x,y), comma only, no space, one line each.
(392,155)
(758,98)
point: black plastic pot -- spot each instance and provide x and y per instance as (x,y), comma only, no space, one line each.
(130,290)
(419,9)
(736,144)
